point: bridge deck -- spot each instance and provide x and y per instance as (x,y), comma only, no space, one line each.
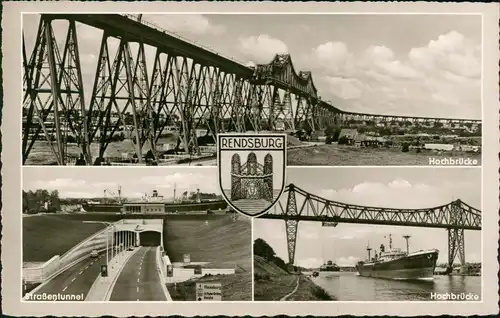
(119,26)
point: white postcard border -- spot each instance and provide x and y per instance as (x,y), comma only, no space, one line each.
(11,172)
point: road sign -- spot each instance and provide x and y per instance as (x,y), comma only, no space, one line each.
(170,270)
(187,258)
(208,291)
(104,270)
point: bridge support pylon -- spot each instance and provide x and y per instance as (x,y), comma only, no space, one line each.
(291,238)
(456,246)
(291,225)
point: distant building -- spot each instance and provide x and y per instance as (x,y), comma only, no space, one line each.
(349,133)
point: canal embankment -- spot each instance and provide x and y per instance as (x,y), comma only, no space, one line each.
(275,283)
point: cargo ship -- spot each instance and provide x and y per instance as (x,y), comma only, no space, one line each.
(329,267)
(399,265)
(115,204)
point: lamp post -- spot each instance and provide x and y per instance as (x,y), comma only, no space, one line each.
(111,226)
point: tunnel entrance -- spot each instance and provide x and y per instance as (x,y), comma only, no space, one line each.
(150,238)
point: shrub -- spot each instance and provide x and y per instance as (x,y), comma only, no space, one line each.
(343,140)
(321,294)
(405,147)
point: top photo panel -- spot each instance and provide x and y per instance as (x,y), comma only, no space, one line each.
(346,89)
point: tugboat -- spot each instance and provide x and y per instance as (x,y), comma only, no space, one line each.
(399,265)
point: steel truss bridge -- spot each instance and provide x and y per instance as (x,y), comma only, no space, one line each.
(189,87)
(455,217)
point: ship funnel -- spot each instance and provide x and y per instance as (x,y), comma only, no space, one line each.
(407,244)
(368,248)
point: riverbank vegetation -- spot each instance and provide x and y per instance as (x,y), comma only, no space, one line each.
(275,280)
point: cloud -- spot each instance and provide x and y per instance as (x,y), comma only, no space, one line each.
(451,52)
(398,193)
(440,79)
(346,88)
(347,260)
(261,48)
(310,262)
(72,188)
(57,184)
(206,181)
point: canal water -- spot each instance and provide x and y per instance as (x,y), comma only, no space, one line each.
(347,286)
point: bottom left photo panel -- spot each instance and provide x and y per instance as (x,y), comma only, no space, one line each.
(132,234)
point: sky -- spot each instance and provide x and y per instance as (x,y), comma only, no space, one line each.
(419,65)
(395,188)
(71,183)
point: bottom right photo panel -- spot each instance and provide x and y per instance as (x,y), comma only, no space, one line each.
(372,234)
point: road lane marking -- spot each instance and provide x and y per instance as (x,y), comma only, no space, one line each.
(137,288)
(65,288)
(73,279)
(80,272)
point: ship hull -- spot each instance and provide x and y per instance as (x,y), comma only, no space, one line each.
(420,266)
(169,207)
(106,208)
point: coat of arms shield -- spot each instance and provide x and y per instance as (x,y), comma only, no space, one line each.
(251,170)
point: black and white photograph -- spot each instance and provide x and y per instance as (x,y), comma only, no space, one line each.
(132,234)
(372,234)
(249,158)
(349,89)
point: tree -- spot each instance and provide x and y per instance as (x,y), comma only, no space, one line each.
(280,263)
(54,200)
(261,248)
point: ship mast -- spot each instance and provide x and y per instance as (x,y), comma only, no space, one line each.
(175,190)
(119,194)
(390,242)
(407,245)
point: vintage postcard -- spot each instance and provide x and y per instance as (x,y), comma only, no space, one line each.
(226,158)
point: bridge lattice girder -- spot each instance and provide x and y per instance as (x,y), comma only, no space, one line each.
(189,87)
(301,205)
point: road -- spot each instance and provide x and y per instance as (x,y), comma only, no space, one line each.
(76,280)
(139,279)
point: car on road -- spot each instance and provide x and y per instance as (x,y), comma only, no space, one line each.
(94,253)
(130,248)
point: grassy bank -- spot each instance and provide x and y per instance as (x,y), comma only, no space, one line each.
(274,288)
(223,242)
(309,291)
(234,287)
(45,236)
